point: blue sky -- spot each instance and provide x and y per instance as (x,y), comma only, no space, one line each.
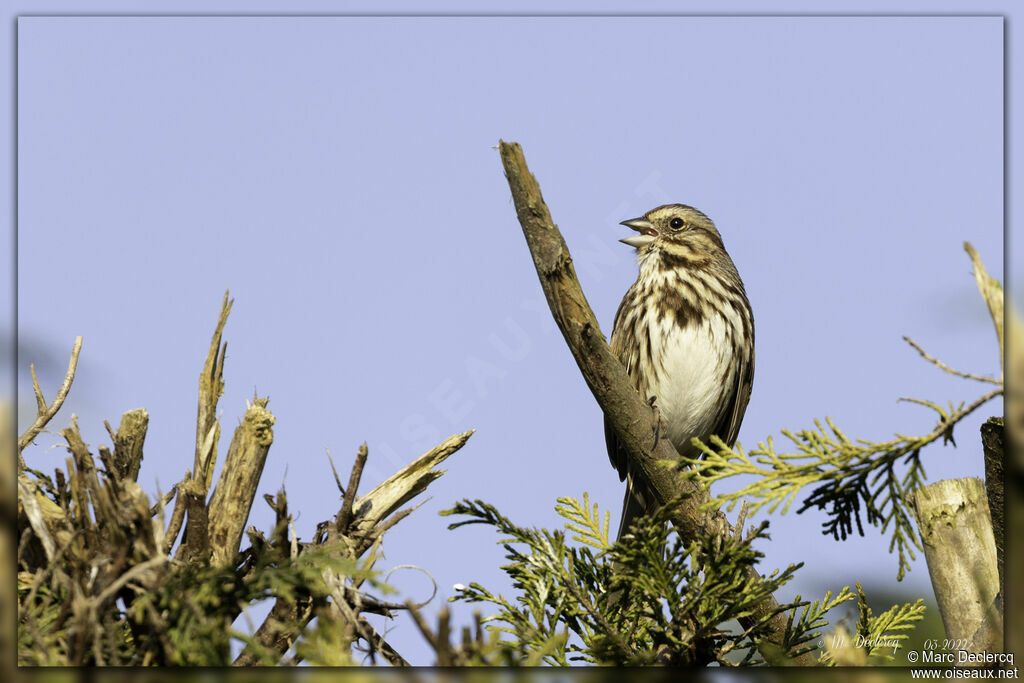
(338,174)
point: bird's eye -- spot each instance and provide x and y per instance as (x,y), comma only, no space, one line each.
(676,223)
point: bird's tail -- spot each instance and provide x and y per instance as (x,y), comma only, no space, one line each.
(633,505)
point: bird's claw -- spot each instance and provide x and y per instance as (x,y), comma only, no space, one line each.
(653,403)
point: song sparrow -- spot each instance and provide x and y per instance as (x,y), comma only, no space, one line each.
(685,333)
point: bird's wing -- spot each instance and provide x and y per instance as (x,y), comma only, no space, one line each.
(728,425)
(616,453)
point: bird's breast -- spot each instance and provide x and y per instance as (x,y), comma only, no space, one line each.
(690,364)
(681,345)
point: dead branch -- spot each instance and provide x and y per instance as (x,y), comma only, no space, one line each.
(945,368)
(45,413)
(90,540)
(211,386)
(197,543)
(372,514)
(128,442)
(177,516)
(279,630)
(162,501)
(102,545)
(345,514)
(239,479)
(406,484)
(378,644)
(633,419)
(956,531)
(991,291)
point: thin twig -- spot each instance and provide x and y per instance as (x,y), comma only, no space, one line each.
(382,646)
(423,626)
(942,366)
(40,401)
(163,500)
(177,517)
(337,479)
(957,416)
(373,535)
(345,514)
(362,627)
(45,414)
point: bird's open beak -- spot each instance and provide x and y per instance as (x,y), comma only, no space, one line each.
(642,226)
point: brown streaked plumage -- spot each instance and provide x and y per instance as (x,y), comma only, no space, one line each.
(685,333)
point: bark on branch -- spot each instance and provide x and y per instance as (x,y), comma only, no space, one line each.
(633,419)
(956,530)
(239,479)
(992,441)
(128,442)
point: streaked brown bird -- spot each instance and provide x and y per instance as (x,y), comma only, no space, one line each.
(685,333)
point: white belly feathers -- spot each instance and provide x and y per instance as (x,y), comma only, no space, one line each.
(688,385)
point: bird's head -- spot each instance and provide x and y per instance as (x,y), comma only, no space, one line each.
(676,228)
